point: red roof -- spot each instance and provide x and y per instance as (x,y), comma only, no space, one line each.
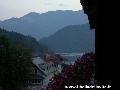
(46,59)
(54,61)
(59,56)
(55,58)
(58,60)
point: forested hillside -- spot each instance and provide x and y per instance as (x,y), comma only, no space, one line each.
(26,41)
(70,39)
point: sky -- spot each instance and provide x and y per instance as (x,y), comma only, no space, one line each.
(19,8)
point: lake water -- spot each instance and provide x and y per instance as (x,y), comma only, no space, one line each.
(71,56)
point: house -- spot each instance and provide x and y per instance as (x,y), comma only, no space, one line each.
(59,56)
(49,70)
(42,72)
(57,61)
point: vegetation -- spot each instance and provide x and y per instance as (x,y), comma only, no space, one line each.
(26,41)
(89,8)
(64,66)
(73,38)
(15,64)
(81,73)
(65,59)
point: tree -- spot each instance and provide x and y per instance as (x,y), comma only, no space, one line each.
(65,59)
(26,41)
(15,64)
(64,66)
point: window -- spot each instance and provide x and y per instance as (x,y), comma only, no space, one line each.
(35,70)
(28,88)
(47,67)
(33,88)
(52,59)
(39,81)
(35,81)
(29,81)
(43,69)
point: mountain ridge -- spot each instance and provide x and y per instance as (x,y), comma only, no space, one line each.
(45,24)
(73,38)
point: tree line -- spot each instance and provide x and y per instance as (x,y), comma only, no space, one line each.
(15,64)
(26,41)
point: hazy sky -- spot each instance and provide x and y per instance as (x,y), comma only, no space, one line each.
(18,8)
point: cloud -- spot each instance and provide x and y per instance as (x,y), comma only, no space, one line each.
(61,5)
(48,3)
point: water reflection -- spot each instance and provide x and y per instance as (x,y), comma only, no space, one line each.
(71,56)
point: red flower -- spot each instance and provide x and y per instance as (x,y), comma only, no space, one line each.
(76,82)
(78,74)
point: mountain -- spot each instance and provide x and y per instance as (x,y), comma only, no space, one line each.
(45,24)
(26,41)
(71,39)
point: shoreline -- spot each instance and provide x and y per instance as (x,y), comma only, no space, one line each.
(68,62)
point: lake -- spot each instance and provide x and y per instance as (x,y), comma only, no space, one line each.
(71,56)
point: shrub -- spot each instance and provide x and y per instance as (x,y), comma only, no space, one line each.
(81,73)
